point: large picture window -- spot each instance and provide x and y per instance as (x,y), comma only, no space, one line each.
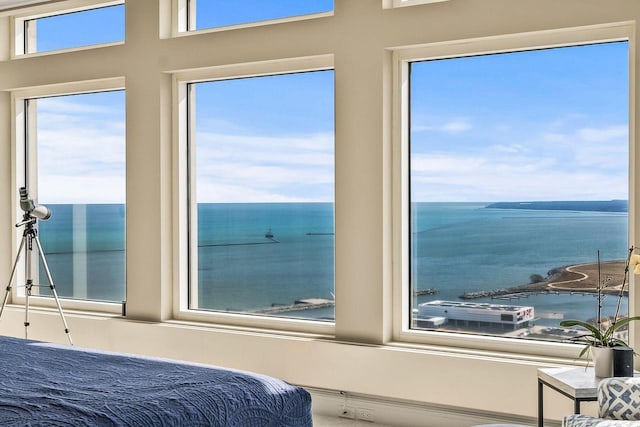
(79,164)
(262,195)
(518,180)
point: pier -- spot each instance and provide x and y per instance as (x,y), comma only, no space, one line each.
(211,245)
(298,305)
(429,291)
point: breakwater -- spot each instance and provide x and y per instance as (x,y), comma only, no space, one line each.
(429,291)
(298,305)
(514,293)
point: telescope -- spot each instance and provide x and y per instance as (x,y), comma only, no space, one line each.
(32,213)
(30,208)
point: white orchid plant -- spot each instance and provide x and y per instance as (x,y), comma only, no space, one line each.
(598,336)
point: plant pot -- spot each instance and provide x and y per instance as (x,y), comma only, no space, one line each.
(602,361)
(622,362)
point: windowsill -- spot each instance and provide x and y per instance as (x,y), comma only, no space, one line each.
(404,347)
(486,344)
(499,356)
(112,309)
(256,324)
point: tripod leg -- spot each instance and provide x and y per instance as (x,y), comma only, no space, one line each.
(13,272)
(27,294)
(28,282)
(53,288)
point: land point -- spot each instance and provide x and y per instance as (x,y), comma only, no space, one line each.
(570,278)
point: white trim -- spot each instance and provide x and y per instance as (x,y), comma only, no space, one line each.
(257,322)
(403,3)
(36,302)
(43,10)
(182,11)
(87,86)
(402,58)
(634,168)
(255,69)
(23,25)
(182,31)
(518,42)
(18,57)
(181,197)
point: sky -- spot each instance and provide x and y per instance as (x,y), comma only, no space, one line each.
(81,148)
(218,13)
(542,125)
(80,28)
(265,139)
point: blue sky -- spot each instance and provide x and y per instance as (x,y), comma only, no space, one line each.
(218,13)
(541,125)
(102,25)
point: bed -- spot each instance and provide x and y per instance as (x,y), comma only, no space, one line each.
(50,385)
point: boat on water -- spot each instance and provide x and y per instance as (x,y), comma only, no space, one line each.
(269,234)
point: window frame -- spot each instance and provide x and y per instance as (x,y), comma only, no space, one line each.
(402,58)
(185,245)
(184,23)
(24,34)
(405,3)
(23,152)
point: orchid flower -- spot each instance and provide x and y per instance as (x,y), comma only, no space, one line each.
(634,261)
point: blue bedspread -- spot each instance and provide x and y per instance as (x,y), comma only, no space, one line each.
(47,385)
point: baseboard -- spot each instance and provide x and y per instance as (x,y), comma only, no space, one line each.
(392,412)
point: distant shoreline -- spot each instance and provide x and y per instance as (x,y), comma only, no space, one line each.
(579,205)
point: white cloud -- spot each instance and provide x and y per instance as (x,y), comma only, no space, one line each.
(587,164)
(455,127)
(81,155)
(233,168)
(613,133)
(72,189)
(451,178)
(445,164)
(72,107)
(82,160)
(604,149)
(604,134)
(450,127)
(510,148)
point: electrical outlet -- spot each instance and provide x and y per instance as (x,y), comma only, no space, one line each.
(365,414)
(347,412)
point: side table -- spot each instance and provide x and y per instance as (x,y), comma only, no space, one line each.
(578,384)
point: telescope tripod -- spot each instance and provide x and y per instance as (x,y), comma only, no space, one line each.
(29,236)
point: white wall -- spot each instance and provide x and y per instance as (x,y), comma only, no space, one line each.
(360,356)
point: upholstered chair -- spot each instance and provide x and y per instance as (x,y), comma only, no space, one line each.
(618,405)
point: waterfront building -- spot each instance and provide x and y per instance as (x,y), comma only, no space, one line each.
(471,314)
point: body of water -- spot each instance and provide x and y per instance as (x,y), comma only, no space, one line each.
(253,256)
(466,247)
